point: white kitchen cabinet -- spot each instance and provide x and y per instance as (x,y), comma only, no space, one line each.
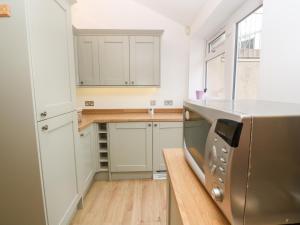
(57,141)
(145,61)
(52,57)
(114,60)
(85,159)
(118,57)
(88,60)
(130,147)
(165,135)
(38,88)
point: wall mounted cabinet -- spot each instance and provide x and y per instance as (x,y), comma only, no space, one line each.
(118,57)
(88,67)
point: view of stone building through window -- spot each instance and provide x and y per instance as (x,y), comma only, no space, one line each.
(248,55)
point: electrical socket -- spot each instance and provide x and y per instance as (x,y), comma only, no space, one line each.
(152,103)
(89,103)
(168,102)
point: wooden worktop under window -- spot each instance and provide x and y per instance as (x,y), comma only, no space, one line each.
(194,205)
(131,115)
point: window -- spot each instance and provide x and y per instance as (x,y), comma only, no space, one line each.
(247,62)
(215,83)
(215,68)
(217,42)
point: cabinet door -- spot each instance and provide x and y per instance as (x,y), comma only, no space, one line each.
(145,60)
(114,60)
(130,147)
(52,54)
(88,60)
(85,156)
(165,135)
(57,148)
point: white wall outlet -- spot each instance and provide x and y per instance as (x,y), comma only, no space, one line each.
(89,103)
(168,102)
(152,103)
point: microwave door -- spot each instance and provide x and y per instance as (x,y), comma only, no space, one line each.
(196,129)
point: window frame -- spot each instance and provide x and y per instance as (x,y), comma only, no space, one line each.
(210,55)
(236,50)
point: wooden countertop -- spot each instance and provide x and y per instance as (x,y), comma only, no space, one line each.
(194,203)
(88,119)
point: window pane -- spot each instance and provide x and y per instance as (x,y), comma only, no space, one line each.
(216,43)
(248,56)
(215,77)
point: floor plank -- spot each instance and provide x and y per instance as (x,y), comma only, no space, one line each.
(135,202)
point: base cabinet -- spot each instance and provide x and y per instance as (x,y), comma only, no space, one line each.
(85,159)
(137,147)
(56,137)
(130,147)
(165,135)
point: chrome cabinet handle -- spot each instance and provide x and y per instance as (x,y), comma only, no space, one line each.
(45,128)
(44,114)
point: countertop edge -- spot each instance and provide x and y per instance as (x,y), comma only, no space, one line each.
(87,122)
(212,214)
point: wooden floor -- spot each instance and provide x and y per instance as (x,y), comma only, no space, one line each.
(137,202)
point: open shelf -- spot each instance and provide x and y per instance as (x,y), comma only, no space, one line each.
(103,139)
(102,127)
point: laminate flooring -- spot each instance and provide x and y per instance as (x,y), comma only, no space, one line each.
(134,202)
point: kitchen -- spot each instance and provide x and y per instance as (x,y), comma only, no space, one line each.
(99,98)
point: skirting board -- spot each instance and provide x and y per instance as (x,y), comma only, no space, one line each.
(101,176)
(131,175)
(160,176)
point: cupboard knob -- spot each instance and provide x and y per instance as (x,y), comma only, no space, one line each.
(126,82)
(44,128)
(44,114)
(155,125)
(81,82)
(149,125)
(81,135)
(132,82)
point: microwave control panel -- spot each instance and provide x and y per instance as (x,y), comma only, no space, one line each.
(224,138)
(218,157)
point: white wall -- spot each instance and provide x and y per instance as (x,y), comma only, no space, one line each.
(197,66)
(280,66)
(127,14)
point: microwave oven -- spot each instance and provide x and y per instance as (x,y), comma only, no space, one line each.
(247,156)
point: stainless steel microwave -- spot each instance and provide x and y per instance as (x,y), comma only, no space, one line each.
(247,156)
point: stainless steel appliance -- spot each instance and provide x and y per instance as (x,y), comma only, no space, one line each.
(247,155)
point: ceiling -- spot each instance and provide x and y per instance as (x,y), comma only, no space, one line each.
(181,11)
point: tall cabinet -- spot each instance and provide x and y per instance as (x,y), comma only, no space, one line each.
(39,156)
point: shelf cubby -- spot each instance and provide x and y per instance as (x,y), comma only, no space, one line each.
(103,139)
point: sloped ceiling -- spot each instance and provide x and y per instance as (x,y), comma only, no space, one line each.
(181,11)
